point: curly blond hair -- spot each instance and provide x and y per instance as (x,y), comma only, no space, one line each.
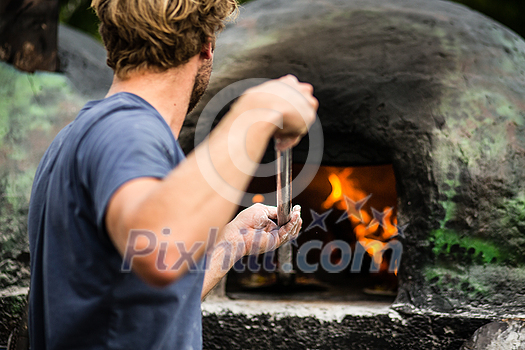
(158,34)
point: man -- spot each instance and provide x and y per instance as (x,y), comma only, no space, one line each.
(115,180)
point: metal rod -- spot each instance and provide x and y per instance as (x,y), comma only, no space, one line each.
(284,189)
(284,207)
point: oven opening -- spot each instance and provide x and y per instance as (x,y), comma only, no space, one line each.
(348,248)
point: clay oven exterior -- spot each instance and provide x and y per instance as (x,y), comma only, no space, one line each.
(437,91)
(430,87)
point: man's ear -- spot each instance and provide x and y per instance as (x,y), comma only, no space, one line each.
(207,50)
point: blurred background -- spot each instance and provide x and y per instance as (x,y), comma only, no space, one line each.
(78,14)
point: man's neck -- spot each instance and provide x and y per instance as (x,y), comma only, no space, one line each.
(168,92)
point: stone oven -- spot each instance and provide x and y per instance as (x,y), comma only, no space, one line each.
(432,91)
(424,94)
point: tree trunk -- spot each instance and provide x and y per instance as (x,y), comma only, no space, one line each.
(28,34)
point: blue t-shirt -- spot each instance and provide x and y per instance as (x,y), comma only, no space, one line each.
(79,298)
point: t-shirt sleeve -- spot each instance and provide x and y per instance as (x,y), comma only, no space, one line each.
(119,149)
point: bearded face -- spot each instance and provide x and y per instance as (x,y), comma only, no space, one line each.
(202,78)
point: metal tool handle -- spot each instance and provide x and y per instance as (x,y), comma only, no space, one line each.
(284,189)
(284,207)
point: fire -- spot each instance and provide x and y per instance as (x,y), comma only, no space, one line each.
(337,191)
(337,196)
(373,234)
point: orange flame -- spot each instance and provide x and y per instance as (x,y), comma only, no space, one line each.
(368,231)
(337,191)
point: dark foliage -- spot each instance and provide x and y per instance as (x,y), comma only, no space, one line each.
(78,13)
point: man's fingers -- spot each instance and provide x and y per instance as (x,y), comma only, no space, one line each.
(284,143)
(272,226)
(293,233)
(294,216)
(296,228)
(289,79)
(313,102)
(304,89)
(272,212)
(289,230)
(307,88)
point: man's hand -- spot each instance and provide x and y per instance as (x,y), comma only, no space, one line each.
(254,229)
(292,103)
(251,232)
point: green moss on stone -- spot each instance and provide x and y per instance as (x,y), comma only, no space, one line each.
(444,240)
(33,108)
(457,279)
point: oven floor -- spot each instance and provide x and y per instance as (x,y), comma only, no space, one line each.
(313,292)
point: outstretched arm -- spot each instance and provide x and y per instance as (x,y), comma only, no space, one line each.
(186,201)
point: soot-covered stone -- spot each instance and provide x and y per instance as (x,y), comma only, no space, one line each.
(431,87)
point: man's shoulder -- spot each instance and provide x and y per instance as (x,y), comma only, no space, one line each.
(121,105)
(122,116)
